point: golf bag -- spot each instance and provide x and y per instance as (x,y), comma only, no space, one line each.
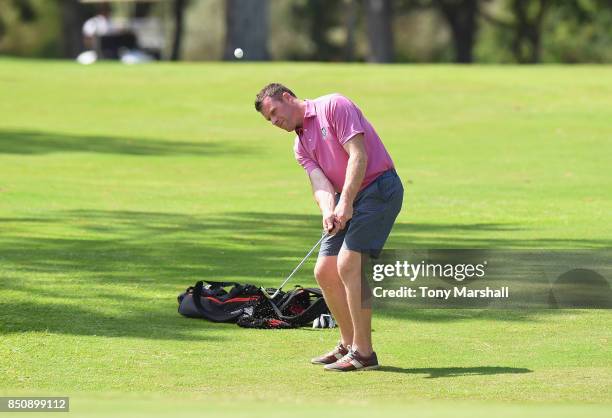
(214,303)
(249,307)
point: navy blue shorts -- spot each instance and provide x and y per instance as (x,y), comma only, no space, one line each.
(374,211)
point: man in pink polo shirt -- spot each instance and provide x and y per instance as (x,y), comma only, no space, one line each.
(359,193)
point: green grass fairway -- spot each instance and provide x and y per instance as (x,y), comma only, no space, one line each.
(122,185)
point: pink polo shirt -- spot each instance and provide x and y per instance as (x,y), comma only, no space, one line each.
(329,122)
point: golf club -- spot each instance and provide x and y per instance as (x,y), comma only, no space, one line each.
(295,269)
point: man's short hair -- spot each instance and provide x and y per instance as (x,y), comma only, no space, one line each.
(273,90)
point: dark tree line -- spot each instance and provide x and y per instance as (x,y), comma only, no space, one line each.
(247,23)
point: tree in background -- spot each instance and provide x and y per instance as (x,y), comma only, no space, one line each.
(247,28)
(526,26)
(25,13)
(529,17)
(319,19)
(379,18)
(25,10)
(73,15)
(578,31)
(178,10)
(142,9)
(350,23)
(462,18)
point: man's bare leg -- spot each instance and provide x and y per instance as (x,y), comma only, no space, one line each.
(326,273)
(349,268)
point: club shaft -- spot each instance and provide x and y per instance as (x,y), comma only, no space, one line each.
(299,265)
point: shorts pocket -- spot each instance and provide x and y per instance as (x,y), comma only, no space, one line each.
(389,186)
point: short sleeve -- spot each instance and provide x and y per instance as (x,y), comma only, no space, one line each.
(302,157)
(345,119)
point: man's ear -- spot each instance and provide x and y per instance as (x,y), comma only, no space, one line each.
(287,97)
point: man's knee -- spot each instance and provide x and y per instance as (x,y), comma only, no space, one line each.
(349,264)
(326,271)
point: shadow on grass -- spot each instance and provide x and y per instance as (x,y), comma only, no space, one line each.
(436,372)
(87,318)
(33,142)
(105,257)
(132,247)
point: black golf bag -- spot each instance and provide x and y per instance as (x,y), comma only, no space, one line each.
(249,307)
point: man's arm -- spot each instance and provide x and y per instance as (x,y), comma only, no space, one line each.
(355,172)
(324,193)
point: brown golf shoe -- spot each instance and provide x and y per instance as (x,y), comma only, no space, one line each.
(354,361)
(333,356)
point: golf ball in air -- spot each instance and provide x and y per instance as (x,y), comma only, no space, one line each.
(238,53)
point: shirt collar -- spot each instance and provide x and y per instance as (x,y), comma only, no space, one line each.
(308,113)
(310,109)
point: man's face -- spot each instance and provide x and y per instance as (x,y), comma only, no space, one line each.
(281,113)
